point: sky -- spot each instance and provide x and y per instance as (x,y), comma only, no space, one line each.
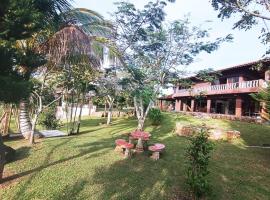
(245,47)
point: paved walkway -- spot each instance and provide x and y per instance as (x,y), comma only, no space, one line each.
(52,133)
(260,147)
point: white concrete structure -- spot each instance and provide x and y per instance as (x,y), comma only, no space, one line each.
(86,111)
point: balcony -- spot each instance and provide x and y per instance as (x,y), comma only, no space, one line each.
(230,88)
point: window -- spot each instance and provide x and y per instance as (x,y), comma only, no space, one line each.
(233,80)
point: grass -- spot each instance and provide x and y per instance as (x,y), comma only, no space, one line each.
(85,166)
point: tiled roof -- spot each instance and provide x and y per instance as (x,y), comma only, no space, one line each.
(247,64)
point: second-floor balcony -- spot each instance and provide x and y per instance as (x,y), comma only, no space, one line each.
(229,88)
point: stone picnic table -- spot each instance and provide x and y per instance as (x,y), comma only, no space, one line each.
(140,136)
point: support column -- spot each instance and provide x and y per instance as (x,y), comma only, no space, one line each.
(185,106)
(227,108)
(267,75)
(160,105)
(238,106)
(208,106)
(192,105)
(178,105)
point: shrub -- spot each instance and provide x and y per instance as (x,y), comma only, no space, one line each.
(198,155)
(155,116)
(48,119)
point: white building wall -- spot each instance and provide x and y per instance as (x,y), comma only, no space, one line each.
(86,111)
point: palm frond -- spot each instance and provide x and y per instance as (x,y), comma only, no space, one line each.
(86,14)
(67,43)
(90,21)
(53,8)
(104,29)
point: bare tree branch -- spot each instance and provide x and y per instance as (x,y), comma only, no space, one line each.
(241,7)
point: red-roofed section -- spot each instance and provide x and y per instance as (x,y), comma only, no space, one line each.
(247,64)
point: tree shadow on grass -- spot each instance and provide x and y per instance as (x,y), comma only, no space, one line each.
(239,173)
(142,178)
(118,126)
(90,148)
(252,134)
(233,171)
(22,153)
(71,192)
(32,172)
(87,131)
(93,122)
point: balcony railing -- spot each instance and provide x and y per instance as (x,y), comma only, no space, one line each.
(239,87)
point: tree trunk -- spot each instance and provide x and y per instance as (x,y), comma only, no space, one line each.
(105,109)
(79,119)
(2,158)
(32,134)
(24,119)
(90,106)
(141,114)
(140,124)
(109,114)
(75,123)
(71,131)
(80,115)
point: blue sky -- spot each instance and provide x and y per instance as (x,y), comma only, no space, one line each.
(245,47)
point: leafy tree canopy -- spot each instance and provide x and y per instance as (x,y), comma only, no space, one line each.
(152,50)
(21,21)
(208,75)
(249,12)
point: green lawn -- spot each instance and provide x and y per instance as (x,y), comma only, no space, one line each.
(86,167)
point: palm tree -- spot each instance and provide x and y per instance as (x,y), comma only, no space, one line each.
(74,40)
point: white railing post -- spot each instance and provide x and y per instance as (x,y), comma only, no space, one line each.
(240,84)
(220,87)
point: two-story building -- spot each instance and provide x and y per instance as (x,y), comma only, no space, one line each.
(228,95)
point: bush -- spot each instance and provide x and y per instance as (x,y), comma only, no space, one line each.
(198,155)
(48,119)
(155,116)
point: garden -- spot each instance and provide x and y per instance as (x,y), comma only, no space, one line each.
(86,166)
(79,108)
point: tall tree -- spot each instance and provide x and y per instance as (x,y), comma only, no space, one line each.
(109,87)
(249,13)
(70,49)
(19,21)
(153,50)
(76,49)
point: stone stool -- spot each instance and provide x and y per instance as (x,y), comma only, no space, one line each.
(156,149)
(233,135)
(120,145)
(128,147)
